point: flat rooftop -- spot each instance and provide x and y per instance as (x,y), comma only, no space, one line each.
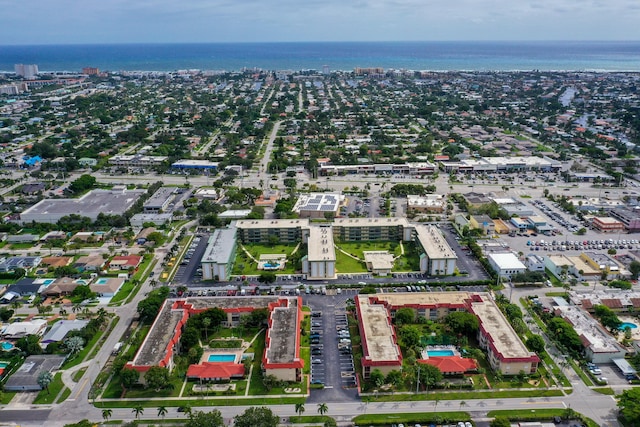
(153,349)
(283,334)
(318,202)
(434,243)
(627,298)
(379,337)
(108,202)
(378,222)
(589,330)
(164,328)
(379,260)
(603,260)
(402,299)
(507,261)
(160,198)
(320,246)
(221,246)
(271,223)
(504,338)
(430,200)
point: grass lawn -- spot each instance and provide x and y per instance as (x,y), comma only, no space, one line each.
(48,396)
(6,396)
(246,266)
(310,419)
(65,394)
(197,402)
(82,354)
(123,293)
(358,248)
(22,245)
(469,395)
(410,419)
(79,373)
(541,414)
(346,264)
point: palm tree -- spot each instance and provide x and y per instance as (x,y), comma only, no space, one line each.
(106,414)
(206,322)
(462,403)
(138,410)
(299,409)
(435,404)
(162,411)
(322,408)
(44,379)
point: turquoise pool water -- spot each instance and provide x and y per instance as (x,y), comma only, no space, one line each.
(629,325)
(3,365)
(218,358)
(102,281)
(48,281)
(440,353)
(6,346)
(272,265)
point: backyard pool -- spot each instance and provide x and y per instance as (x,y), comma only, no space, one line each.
(47,282)
(102,281)
(629,325)
(4,365)
(219,358)
(6,346)
(440,353)
(272,265)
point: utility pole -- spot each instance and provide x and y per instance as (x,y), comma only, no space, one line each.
(418,379)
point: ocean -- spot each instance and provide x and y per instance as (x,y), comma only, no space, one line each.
(434,56)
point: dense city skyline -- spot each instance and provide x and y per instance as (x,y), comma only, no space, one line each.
(117,21)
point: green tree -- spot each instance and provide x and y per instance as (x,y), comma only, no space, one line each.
(206,322)
(44,379)
(129,378)
(405,315)
(377,378)
(106,414)
(74,344)
(267,277)
(254,416)
(462,322)
(299,409)
(629,405)
(535,343)
(206,419)
(410,335)
(430,375)
(634,268)
(157,378)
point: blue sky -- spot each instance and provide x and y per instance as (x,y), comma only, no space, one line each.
(161,21)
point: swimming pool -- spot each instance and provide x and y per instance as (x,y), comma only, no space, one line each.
(219,358)
(272,265)
(7,346)
(3,365)
(629,325)
(102,281)
(440,353)
(47,282)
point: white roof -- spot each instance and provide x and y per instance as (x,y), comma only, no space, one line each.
(507,261)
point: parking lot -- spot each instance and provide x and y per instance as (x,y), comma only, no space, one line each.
(332,354)
(189,271)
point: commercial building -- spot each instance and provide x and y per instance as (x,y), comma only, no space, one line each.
(137,160)
(607,224)
(191,164)
(318,205)
(506,265)
(431,203)
(484,223)
(629,217)
(95,202)
(157,219)
(217,261)
(506,352)
(502,164)
(417,168)
(159,201)
(618,300)
(599,346)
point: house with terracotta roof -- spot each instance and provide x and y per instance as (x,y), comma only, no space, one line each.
(215,372)
(451,365)
(56,261)
(125,262)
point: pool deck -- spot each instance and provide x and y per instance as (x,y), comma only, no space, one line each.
(635,333)
(231,351)
(451,348)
